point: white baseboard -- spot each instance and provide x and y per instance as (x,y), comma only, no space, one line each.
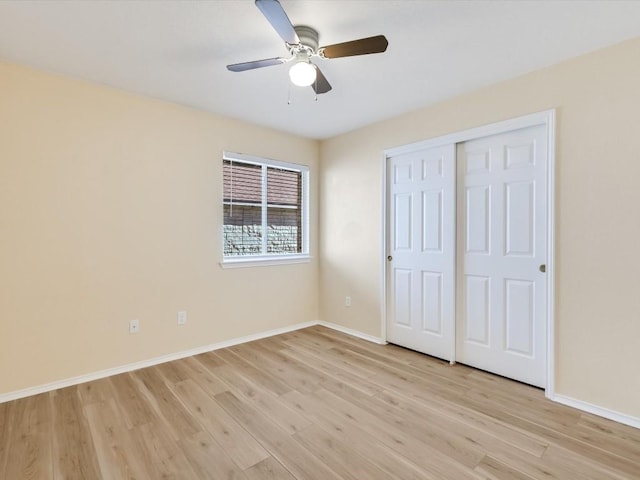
(47,387)
(353,333)
(596,410)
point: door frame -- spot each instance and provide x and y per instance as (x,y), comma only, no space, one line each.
(546,118)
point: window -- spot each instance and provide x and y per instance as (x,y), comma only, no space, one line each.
(265,210)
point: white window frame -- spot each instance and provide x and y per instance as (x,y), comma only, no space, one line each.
(265,260)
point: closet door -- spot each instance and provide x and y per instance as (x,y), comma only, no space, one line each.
(421,250)
(502,250)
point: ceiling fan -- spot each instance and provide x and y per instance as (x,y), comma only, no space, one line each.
(302,43)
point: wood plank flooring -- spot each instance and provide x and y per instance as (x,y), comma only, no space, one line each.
(309,405)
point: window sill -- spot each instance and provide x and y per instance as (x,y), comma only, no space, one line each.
(264,261)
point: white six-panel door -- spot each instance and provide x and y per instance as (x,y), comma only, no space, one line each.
(421,249)
(465,282)
(501,288)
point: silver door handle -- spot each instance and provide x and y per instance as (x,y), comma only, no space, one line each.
(542,268)
(389,257)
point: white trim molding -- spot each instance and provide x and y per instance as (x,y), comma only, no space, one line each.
(353,333)
(264,261)
(384,241)
(546,117)
(550,121)
(596,410)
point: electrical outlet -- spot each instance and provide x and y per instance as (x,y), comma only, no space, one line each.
(347,301)
(134,326)
(182,317)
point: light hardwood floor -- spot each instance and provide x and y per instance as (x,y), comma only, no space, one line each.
(313,404)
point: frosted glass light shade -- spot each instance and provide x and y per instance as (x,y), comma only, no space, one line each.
(302,74)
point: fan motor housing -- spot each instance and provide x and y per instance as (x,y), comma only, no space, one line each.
(308,36)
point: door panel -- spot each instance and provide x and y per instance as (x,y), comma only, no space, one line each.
(432,302)
(502,238)
(520,224)
(421,243)
(432,221)
(478,220)
(402,223)
(476,328)
(402,289)
(520,313)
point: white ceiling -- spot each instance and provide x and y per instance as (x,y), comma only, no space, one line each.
(177,50)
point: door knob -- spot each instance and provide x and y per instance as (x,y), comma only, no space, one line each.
(542,268)
(389,257)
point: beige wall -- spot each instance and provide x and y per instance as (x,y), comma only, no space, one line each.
(110,210)
(597,97)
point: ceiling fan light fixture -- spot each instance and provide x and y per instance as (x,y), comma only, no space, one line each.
(302,73)
(302,43)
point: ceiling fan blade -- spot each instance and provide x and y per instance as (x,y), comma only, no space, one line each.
(363,46)
(321,85)
(267,62)
(278,19)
